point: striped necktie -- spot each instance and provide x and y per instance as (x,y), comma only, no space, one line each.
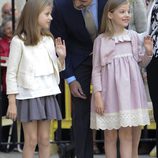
(90,24)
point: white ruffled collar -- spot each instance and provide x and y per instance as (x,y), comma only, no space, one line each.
(121,38)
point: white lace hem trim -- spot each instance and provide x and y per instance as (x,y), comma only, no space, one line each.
(122,119)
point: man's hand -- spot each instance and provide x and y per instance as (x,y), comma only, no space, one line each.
(76,90)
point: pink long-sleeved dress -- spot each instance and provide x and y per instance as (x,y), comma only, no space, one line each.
(116,73)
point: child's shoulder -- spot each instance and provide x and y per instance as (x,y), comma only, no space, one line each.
(132,33)
(48,38)
(101,36)
(16,39)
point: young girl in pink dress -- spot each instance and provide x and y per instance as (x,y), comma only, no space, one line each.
(119,104)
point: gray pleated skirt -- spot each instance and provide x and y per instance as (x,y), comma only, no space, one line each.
(42,108)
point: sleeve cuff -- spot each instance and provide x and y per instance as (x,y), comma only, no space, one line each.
(71,79)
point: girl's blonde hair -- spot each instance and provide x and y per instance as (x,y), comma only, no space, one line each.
(106,23)
(28,28)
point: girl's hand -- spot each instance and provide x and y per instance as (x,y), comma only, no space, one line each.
(99,104)
(12,112)
(12,109)
(148,44)
(60,48)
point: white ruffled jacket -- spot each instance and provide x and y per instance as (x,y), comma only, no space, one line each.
(20,69)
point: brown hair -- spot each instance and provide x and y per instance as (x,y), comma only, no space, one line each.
(106,24)
(27,28)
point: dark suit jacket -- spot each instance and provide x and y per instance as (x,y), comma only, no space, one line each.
(68,23)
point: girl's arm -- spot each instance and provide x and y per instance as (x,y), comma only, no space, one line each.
(13,66)
(11,78)
(96,70)
(96,78)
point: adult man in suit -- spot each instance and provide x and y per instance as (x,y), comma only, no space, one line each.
(70,22)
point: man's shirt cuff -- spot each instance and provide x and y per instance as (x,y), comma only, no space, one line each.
(71,79)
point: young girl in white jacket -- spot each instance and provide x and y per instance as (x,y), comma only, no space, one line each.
(33,76)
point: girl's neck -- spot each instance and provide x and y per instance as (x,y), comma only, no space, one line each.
(119,32)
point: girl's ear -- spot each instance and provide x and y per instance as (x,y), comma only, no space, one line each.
(110,15)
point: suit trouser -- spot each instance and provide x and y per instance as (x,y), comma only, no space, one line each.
(82,133)
(152,76)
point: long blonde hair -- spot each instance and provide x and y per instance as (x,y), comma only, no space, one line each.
(28,28)
(106,24)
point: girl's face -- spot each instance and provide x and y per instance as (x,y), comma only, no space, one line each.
(8,32)
(45,18)
(120,16)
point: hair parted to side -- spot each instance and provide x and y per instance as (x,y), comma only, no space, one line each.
(106,23)
(28,28)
